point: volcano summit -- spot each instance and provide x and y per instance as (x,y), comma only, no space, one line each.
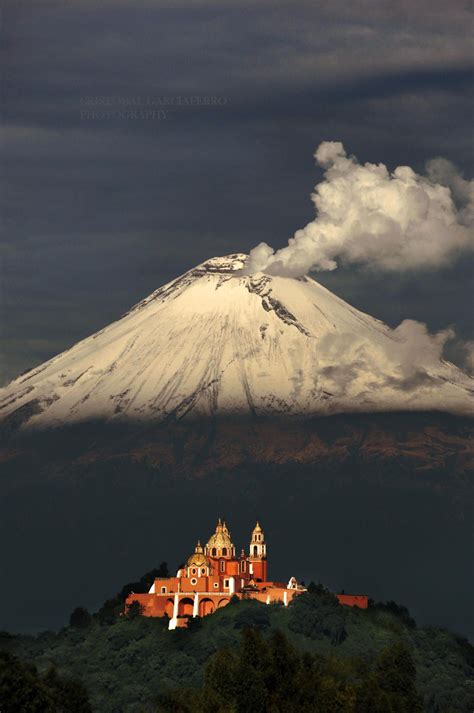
(216,341)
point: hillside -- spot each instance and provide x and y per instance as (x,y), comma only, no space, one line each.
(133,665)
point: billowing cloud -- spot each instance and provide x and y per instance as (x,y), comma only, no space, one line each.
(415,346)
(466,356)
(469,358)
(407,364)
(444,172)
(366,215)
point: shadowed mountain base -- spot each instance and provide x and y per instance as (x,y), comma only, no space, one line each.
(376,504)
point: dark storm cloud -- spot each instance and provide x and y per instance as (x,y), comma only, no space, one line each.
(98,212)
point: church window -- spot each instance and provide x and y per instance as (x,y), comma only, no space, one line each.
(194,580)
(226,582)
(163,590)
(213,552)
(255,550)
(193,571)
(224,551)
(222,566)
(243,565)
(203,571)
(216,584)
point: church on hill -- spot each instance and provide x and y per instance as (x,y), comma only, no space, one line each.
(215,573)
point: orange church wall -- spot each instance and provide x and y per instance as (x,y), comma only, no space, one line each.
(196,584)
(163,604)
(152,605)
(170,584)
(158,605)
(259,569)
(207,606)
(353,600)
(232,568)
(185,606)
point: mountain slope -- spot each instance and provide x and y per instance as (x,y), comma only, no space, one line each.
(217,341)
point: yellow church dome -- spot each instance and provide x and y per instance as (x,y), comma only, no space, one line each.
(198,558)
(220,539)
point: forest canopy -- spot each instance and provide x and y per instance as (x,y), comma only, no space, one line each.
(314,655)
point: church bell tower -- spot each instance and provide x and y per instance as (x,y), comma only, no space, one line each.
(258,554)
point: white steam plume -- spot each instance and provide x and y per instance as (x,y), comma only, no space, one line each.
(369,216)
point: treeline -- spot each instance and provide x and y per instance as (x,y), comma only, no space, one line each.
(314,655)
(24,690)
(271,675)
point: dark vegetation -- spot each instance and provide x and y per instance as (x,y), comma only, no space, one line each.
(269,674)
(314,655)
(23,689)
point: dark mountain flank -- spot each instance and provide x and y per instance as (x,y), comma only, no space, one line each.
(380,504)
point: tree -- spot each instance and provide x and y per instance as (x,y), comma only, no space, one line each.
(283,669)
(314,588)
(251,695)
(397,610)
(396,676)
(370,697)
(110,611)
(316,614)
(336,696)
(194,623)
(69,693)
(23,689)
(80,618)
(221,675)
(134,610)
(252,615)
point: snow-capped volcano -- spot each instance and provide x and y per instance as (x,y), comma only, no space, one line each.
(218,341)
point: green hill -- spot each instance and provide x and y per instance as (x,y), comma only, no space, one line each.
(314,655)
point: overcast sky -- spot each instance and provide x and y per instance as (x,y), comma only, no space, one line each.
(100,210)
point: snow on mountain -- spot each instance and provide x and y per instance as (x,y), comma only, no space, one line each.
(216,341)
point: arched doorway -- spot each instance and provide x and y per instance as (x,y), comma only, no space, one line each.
(169,606)
(186,606)
(222,603)
(206,606)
